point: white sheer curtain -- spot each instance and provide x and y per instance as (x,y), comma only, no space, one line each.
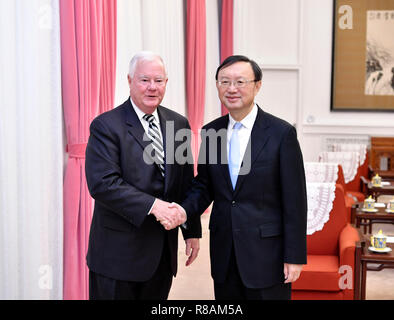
(159,25)
(129,42)
(31,151)
(154,25)
(212,102)
(163,30)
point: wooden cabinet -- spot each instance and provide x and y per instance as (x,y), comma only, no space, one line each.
(382,156)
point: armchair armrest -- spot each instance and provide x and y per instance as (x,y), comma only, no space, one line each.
(347,244)
(347,250)
(364,185)
(364,180)
(370,172)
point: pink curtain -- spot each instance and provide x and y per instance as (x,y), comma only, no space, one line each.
(88,51)
(195,68)
(226,34)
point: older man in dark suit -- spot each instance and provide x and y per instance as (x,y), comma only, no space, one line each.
(256,181)
(132,253)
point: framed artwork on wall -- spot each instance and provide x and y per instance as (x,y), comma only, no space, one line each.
(363,56)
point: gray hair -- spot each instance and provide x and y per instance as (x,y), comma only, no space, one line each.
(144,56)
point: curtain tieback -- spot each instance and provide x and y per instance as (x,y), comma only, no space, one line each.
(76,150)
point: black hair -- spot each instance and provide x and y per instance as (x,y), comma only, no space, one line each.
(258,74)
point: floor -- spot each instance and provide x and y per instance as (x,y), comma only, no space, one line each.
(195,283)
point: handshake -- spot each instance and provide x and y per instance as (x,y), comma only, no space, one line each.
(170,215)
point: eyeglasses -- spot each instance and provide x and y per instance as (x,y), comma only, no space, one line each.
(146,82)
(240,83)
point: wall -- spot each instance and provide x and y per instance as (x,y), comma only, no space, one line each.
(292,41)
(317,120)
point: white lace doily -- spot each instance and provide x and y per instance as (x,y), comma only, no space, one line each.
(360,148)
(320,202)
(349,161)
(321,172)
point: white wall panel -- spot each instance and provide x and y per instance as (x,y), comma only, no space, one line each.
(279,94)
(317,48)
(292,40)
(267,30)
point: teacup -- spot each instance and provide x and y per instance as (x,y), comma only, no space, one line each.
(378,241)
(369,203)
(390,205)
(376,181)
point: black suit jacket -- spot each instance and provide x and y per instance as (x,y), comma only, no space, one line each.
(265,216)
(125,243)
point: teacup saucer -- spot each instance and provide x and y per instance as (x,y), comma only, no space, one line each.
(369,210)
(384,250)
(389,211)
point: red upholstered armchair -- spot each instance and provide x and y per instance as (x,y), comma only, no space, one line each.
(328,250)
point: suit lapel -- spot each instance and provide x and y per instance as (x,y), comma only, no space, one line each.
(258,139)
(222,158)
(168,148)
(135,126)
(136,129)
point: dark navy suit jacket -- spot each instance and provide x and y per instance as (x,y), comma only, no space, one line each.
(125,243)
(264,218)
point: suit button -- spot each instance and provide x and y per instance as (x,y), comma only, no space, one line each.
(233,203)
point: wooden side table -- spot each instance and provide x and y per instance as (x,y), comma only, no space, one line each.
(364,257)
(383,190)
(365,219)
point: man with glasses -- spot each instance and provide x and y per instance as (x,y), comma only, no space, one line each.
(258,220)
(132,252)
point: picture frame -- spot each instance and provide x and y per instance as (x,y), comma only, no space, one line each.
(363,56)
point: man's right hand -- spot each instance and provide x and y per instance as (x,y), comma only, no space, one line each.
(167,214)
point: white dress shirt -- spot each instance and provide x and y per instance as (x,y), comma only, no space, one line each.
(145,124)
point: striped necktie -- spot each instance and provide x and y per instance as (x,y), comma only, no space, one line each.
(157,143)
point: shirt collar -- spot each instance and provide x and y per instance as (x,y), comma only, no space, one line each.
(248,121)
(140,113)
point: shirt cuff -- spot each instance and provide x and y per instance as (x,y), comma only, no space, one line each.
(150,210)
(184,225)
